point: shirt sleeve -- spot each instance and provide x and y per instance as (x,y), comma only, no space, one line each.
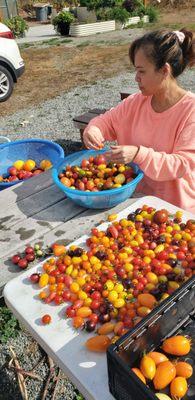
(160,166)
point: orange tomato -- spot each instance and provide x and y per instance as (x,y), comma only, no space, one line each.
(183,369)
(98,343)
(148,367)
(65,181)
(139,374)
(177,345)
(58,249)
(157,357)
(78,322)
(165,373)
(29,165)
(146,300)
(143,311)
(106,328)
(178,387)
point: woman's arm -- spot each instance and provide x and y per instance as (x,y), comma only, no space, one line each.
(107,126)
(161,166)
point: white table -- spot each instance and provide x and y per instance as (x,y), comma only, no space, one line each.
(87,370)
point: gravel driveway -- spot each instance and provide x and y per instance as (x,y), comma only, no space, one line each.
(53,118)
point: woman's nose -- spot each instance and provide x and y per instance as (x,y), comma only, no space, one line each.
(137,78)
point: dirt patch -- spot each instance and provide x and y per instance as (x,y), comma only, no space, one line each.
(56,69)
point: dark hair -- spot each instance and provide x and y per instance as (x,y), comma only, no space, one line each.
(163,47)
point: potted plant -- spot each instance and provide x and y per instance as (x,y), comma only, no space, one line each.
(17,25)
(62,22)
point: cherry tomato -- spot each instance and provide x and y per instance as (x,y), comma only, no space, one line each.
(46,319)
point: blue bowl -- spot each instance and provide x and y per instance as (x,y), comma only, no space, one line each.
(36,149)
(103,199)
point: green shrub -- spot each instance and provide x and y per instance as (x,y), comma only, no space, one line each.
(118,14)
(9,325)
(152,13)
(17,25)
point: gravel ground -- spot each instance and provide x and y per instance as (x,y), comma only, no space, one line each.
(53,120)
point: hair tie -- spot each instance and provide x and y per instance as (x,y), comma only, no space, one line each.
(180,35)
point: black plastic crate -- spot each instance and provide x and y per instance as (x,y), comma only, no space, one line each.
(176,315)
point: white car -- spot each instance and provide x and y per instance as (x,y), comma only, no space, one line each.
(11,63)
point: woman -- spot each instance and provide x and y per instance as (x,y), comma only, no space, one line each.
(155,128)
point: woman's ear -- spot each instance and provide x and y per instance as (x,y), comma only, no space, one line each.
(166,70)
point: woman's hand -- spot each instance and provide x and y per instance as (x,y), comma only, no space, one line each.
(93,138)
(121,154)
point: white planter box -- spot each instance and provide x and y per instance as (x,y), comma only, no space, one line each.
(91,29)
(145,19)
(135,20)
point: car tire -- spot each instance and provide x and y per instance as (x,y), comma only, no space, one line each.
(6,84)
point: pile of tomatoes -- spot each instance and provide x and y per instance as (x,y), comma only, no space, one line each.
(21,170)
(164,372)
(126,271)
(96,174)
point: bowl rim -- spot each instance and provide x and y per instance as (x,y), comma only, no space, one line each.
(67,160)
(32,140)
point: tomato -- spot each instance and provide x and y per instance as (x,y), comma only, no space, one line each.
(113,231)
(29,165)
(178,387)
(58,249)
(148,367)
(177,345)
(139,374)
(106,328)
(157,357)
(183,369)
(15,259)
(98,343)
(46,319)
(18,164)
(160,216)
(146,299)
(165,373)
(45,164)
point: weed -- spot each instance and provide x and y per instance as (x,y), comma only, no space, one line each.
(25,45)
(84,44)
(9,325)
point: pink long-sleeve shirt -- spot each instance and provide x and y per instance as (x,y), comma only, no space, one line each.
(166,144)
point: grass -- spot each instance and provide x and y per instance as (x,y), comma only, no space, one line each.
(50,42)
(84,44)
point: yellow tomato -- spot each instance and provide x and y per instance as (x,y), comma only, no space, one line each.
(45,164)
(18,164)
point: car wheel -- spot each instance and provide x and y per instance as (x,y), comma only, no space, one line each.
(6,84)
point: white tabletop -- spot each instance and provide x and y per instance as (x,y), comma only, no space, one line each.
(87,370)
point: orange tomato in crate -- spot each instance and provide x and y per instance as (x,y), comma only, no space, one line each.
(165,373)
(177,345)
(183,369)
(178,387)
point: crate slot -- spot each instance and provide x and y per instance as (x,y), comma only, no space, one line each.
(141,333)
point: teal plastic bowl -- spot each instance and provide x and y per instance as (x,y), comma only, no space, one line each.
(97,200)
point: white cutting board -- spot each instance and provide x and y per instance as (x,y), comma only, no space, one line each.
(65,345)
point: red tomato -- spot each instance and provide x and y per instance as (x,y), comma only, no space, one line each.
(46,319)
